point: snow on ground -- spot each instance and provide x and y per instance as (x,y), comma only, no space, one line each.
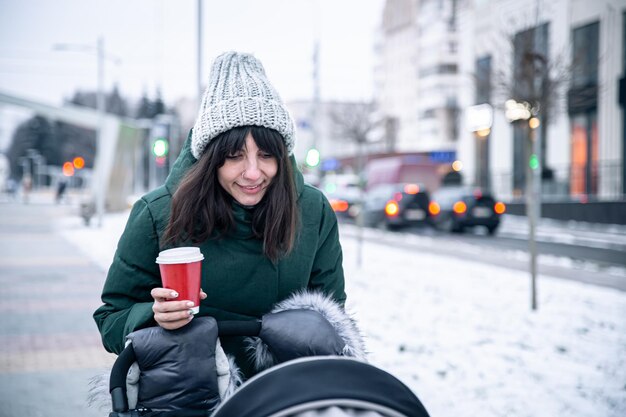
(596,235)
(461,333)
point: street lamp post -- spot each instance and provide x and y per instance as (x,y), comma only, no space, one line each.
(199,55)
(100,186)
(517,112)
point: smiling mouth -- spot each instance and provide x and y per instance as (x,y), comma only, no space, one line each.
(251,189)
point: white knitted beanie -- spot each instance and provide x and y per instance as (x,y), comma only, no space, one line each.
(239,94)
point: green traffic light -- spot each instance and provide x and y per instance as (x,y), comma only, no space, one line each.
(160,147)
(312,157)
(533,162)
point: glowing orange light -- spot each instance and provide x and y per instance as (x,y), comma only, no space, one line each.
(459,207)
(68,169)
(392,208)
(339,205)
(483,133)
(433,208)
(79,162)
(411,188)
(499,208)
(397,196)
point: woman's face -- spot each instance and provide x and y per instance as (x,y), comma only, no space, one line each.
(246,174)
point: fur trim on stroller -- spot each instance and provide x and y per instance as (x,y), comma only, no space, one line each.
(305,324)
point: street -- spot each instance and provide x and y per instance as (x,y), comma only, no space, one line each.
(597,256)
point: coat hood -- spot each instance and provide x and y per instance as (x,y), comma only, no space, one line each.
(186,159)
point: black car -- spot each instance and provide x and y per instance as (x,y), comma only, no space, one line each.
(395,205)
(456,208)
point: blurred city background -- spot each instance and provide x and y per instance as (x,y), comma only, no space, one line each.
(515,98)
(465,146)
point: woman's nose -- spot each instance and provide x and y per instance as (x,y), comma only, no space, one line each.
(251,171)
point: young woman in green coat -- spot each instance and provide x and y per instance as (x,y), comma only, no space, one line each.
(236,193)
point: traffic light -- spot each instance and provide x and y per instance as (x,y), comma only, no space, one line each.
(533,162)
(160,147)
(160,143)
(312,157)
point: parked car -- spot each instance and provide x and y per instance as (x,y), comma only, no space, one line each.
(396,205)
(456,208)
(343,193)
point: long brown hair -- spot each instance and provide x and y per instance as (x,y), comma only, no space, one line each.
(202,209)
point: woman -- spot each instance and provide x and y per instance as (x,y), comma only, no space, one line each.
(236,193)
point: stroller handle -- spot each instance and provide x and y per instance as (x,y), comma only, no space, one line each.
(117,381)
(239,328)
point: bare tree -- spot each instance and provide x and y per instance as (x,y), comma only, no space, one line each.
(529,76)
(352,122)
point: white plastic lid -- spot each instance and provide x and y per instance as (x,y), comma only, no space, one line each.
(182,255)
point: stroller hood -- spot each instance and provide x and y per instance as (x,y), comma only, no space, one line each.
(323,386)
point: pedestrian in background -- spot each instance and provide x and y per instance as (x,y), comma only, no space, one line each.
(61,187)
(27,186)
(235,192)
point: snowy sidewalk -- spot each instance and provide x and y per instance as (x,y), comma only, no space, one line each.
(595,235)
(461,334)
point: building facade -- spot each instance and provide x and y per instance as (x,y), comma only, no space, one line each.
(417,76)
(565,59)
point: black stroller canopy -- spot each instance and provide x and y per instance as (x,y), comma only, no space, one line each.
(319,384)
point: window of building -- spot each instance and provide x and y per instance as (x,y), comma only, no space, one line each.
(483,80)
(585,41)
(583,110)
(438,69)
(481,143)
(428,114)
(530,55)
(584,166)
(530,52)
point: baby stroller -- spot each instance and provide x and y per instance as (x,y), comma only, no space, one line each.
(312,373)
(323,386)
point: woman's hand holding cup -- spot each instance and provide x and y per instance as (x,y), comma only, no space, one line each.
(171,314)
(179,299)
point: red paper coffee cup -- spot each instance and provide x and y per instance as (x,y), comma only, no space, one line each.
(181,271)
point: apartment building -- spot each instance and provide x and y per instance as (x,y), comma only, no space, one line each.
(417,75)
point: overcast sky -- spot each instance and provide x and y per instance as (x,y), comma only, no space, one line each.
(155,41)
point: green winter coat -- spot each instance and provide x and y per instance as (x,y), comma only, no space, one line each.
(241,283)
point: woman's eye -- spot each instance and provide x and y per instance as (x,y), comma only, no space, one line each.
(266,155)
(234,157)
